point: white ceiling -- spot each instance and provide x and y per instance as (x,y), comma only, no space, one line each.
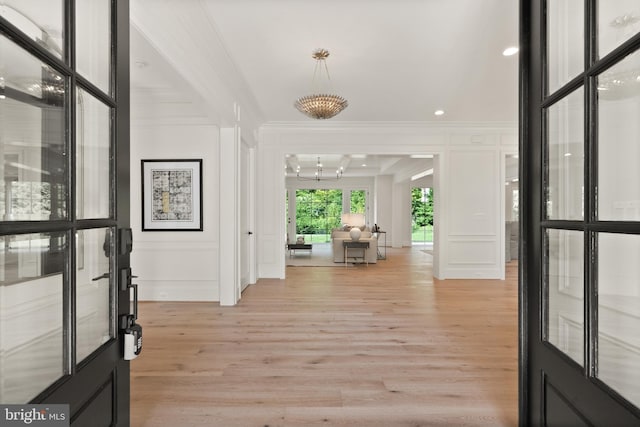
(393,60)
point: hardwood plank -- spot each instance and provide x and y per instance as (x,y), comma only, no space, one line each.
(383,345)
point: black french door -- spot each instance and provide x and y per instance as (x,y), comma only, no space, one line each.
(64,206)
(580,271)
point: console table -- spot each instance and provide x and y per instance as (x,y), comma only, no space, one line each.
(354,244)
(380,254)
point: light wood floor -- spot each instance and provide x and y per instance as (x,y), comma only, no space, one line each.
(383,345)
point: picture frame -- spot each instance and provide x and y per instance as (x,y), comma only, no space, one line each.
(171,194)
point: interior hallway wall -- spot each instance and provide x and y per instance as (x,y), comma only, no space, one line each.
(177,265)
(382,206)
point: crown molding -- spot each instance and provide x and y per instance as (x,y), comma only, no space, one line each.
(392,127)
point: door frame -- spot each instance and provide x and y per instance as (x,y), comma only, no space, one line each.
(247,210)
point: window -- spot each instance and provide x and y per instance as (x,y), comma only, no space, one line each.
(317,213)
(358,201)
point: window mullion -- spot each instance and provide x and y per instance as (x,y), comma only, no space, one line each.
(590,183)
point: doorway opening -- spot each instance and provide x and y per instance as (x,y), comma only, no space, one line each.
(511,209)
(422,216)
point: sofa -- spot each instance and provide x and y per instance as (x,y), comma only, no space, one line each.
(339,235)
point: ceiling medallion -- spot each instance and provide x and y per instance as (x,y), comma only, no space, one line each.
(321,105)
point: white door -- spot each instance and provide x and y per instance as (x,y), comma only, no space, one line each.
(245,221)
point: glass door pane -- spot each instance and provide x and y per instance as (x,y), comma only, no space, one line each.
(564,281)
(618,21)
(565,158)
(93,299)
(93,41)
(93,157)
(33,165)
(40,20)
(565,42)
(619,313)
(618,135)
(32,335)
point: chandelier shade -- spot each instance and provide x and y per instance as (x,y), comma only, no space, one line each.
(321,104)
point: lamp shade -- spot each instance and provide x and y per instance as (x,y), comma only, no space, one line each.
(353,219)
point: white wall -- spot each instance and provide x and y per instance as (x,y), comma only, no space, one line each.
(382,205)
(469,192)
(400,215)
(177,266)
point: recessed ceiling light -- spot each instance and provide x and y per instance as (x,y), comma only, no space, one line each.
(567,154)
(364,165)
(438,112)
(510,51)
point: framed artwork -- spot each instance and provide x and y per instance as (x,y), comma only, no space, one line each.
(172,195)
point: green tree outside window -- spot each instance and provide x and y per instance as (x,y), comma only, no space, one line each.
(317,213)
(422,214)
(358,201)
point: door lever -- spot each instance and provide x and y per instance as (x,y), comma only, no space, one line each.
(250,233)
(104,276)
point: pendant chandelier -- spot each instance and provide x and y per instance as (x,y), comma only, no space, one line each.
(318,174)
(321,105)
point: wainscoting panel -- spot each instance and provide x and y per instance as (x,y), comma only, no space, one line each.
(473,193)
(178,290)
(176,271)
(473,252)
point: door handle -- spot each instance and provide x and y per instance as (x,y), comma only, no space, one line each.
(250,233)
(103,276)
